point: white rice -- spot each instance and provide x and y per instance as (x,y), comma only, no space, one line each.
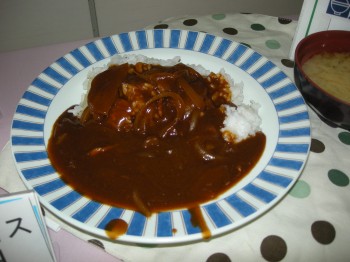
(241,122)
(133,59)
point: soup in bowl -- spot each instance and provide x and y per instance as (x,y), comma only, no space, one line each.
(322,74)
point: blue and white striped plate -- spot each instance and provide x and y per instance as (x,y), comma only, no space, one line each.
(285,122)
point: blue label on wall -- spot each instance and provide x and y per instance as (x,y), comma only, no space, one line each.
(339,8)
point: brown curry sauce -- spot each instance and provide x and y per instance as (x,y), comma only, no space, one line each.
(163,153)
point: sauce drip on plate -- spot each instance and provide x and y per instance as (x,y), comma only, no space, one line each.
(155,144)
(116,228)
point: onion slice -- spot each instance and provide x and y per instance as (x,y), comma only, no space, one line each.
(140,120)
(196,98)
(141,205)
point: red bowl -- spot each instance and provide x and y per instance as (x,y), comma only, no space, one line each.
(329,108)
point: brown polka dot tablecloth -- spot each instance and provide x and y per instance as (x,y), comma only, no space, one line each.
(311,223)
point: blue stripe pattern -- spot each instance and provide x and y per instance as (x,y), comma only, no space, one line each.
(207,42)
(241,206)
(217,215)
(282,91)
(259,193)
(237,53)
(164,225)
(263,69)
(295,132)
(137,225)
(126,43)
(190,229)
(27,141)
(108,43)
(49,187)
(10,200)
(66,200)
(113,213)
(38,172)
(80,57)
(158,38)
(273,79)
(175,38)
(138,222)
(36,98)
(63,62)
(45,86)
(96,53)
(293,148)
(294,117)
(30,156)
(286,163)
(53,74)
(17,124)
(251,60)
(29,111)
(191,40)
(87,211)
(275,179)
(141,39)
(224,44)
(297,101)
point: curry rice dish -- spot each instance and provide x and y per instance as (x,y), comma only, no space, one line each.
(153,138)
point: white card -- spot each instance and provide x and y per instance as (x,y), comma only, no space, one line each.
(23,233)
(321,15)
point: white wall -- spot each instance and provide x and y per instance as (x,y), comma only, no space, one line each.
(30,23)
(27,23)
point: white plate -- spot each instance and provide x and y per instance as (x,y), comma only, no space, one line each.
(285,122)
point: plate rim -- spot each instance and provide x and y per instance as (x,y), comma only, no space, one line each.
(190,35)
